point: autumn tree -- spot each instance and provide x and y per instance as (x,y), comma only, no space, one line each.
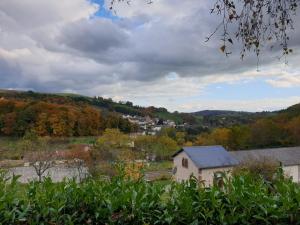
(158,147)
(39,154)
(80,158)
(239,137)
(112,148)
(293,128)
(218,136)
(267,133)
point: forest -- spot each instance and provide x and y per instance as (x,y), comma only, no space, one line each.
(281,129)
(58,120)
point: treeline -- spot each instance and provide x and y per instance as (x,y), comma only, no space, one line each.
(53,119)
(124,107)
(282,129)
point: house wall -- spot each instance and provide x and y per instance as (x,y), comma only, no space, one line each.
(183,173)
(292,171)
(208,174)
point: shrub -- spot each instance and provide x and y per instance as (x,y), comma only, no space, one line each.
(242,200)
(263,167)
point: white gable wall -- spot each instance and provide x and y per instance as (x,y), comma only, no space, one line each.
(208,174)
(183,173)
(292,171)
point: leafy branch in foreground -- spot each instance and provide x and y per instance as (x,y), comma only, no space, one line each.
(257,22)
(254,23)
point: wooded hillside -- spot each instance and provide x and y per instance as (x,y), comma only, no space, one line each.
(54,119)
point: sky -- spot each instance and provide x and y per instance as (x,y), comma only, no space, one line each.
(150,54)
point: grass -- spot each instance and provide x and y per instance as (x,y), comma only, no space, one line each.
(158,166)
(9,146)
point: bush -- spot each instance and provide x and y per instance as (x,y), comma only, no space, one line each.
(264,167)
(242,200)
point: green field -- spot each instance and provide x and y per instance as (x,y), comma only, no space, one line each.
(10,146)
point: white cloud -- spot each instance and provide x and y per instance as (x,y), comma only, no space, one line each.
(28,14)
(153,55)
(256,105)
(285,81)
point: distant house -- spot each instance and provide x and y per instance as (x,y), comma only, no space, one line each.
(289,158)
(203,162)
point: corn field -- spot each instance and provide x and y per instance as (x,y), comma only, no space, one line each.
(242,200)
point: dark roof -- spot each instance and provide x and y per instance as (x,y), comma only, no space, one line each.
(209,156)
(287,156)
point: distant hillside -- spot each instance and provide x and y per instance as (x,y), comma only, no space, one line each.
(99,102)
(218,112)
(53,115)
(291,111)
(191,122)
(227,118)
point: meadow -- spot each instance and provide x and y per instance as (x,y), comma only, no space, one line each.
(10,147)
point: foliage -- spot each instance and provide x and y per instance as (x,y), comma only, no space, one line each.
(159,166)
(281,129)
(242,200)
(162,147)
(108,106)
(39,155)
(15,147)
(254,23)
(258,22)
(265,168)
(56,119)
(113,148)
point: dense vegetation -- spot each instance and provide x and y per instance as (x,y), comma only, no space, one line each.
(99,102)
(196,121)
(281,129)
(56,119)
(243,200)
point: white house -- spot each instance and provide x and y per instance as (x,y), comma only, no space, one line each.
(289,158)
(203,162)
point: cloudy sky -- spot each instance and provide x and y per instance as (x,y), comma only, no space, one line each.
(150,54)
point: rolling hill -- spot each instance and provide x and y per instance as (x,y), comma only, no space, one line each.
(205,119)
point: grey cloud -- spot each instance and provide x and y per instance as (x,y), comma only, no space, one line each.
(73,52)
(10,75)
(93,37)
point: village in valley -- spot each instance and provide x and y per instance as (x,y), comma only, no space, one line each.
(149,126)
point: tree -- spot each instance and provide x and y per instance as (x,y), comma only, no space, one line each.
(293,127)
(41,162)
(159,147)
(79,158)
(267,133)
(257,22)
(218,136)
(254,23)
(239,137)
(113,138)
(112,149)
(39,155)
